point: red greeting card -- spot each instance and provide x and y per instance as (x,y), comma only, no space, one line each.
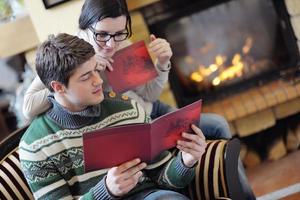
(113,146)
(132,67)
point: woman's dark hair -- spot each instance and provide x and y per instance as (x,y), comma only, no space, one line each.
(95,10)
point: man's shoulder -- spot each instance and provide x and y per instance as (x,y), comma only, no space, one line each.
(38,128)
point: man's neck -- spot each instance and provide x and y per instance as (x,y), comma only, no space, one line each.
(67,104)
(66,118)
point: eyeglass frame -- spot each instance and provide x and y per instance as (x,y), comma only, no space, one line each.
(110,35)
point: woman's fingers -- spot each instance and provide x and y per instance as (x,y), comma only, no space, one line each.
(105,63)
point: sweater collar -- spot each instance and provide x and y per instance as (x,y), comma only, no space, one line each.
(72,120)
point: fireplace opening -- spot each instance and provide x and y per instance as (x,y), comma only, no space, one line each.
(223,47)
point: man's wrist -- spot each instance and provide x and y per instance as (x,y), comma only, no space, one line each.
(190,164)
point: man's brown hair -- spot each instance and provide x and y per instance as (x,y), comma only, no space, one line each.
(58,56)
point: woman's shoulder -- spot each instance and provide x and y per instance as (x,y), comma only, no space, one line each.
(83,34)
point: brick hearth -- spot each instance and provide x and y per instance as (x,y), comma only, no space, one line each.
(258,108)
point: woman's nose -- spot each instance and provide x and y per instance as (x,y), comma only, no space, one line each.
(111,42)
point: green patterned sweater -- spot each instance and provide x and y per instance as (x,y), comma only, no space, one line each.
(51,153)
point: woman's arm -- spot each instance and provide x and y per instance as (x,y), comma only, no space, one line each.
(35,99)
(152,90)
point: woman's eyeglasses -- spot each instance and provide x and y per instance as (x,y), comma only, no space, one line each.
(104,37)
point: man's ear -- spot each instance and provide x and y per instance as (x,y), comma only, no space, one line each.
(57,86)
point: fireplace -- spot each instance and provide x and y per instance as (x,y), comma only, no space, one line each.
(221,47)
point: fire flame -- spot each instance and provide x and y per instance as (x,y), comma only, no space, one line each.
(218,72)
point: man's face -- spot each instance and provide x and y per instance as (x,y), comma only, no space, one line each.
(113,26)
(85,87)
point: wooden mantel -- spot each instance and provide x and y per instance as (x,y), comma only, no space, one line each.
(17,36)
(136,4)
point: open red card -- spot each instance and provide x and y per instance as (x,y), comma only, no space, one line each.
(112,146)
(132,67)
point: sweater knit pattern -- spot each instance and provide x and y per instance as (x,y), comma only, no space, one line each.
(52,157)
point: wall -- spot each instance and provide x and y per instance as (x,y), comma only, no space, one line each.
(62,18)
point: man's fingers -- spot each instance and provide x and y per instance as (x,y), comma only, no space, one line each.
(127,165)
(133,170)
(198,131)
(131,182)
(194,138)
(196,153)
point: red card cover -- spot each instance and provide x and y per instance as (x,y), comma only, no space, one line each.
(132,67)
(167,129)
(108,147)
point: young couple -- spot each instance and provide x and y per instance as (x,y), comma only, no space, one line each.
(69,93)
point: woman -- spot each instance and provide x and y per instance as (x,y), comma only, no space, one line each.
(106,25)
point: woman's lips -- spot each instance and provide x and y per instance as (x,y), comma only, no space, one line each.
(108,50)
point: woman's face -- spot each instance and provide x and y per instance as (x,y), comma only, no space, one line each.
(113,26)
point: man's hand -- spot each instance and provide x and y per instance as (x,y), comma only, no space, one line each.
(120,180)
(161,49)
(193,148)
(104,62)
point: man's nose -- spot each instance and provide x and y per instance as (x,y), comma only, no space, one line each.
(97,80)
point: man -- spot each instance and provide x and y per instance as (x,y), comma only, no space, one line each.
(51,151)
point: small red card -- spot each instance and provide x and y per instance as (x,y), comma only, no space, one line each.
(132,67)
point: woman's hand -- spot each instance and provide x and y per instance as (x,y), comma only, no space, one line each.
(193,148)
(105,62)
(161,49)
(120,180)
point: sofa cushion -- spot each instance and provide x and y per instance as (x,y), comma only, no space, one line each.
(12,181)
(210,179)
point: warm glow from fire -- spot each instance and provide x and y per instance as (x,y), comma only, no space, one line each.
(189,59)
(248,45)
(218,72)
(196,77)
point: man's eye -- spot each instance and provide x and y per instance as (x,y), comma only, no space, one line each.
(85,77)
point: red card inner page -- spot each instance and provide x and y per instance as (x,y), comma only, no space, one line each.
(132,67)
(113,146)
(167,129)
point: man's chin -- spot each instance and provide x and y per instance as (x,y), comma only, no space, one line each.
(99,100)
